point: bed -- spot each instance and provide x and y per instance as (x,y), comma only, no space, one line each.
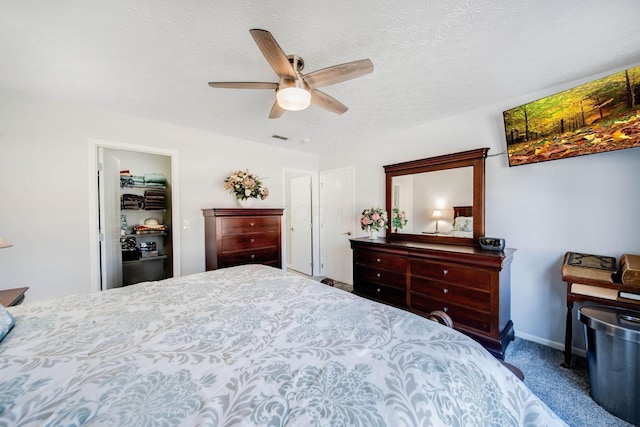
(248,345)
(462,225)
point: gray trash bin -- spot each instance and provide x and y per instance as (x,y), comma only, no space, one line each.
(612,336)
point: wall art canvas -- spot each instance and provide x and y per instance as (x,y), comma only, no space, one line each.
(602,115)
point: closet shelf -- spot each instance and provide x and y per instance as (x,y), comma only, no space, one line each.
(151,258)
(159,233)
(148,187)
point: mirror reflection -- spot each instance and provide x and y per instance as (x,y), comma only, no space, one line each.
(430,201)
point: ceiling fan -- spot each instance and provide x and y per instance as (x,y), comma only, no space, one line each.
(296,91)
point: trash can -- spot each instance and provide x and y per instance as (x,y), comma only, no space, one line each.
(612,337)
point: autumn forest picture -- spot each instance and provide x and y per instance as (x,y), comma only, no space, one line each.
(598,116)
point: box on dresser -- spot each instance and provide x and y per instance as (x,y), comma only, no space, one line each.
(243,236)
(470,284)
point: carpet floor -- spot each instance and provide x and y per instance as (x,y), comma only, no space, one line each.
(565,391)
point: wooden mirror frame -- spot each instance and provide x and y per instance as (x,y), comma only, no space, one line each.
(474,158)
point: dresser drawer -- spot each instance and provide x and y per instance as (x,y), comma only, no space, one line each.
(382,277)
(380,260)
(381,293)
(242,225)
(466,297)
(237,242)
(461,315)
(258,256)
(449,273)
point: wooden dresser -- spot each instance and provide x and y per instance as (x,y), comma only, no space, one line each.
(242,236)
(470,284)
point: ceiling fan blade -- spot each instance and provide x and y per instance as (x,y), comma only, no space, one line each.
(273,53)
(322,100)
(338,73)
(276,111)
(243,85)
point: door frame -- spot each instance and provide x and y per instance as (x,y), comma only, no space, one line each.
(287,174)
(94,241)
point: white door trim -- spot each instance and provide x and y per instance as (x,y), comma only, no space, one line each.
(94,243)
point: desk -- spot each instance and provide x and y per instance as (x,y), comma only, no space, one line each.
(10,297)
(573,297)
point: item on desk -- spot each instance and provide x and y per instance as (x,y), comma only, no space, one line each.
(630,296)
(594,291)
(587,266)
(630,268)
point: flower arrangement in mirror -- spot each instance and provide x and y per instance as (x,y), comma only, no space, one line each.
(398,219)
(246,186)
(373,219)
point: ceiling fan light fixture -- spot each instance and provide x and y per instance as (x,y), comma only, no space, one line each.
(293,98)
(296,91)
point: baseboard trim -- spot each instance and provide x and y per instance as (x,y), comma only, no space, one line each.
(553,344)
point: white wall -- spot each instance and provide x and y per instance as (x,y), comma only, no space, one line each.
(45,185)
(584,204)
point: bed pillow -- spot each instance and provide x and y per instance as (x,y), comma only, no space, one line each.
(463,223)
(6,322)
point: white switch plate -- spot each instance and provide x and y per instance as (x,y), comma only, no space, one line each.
(186,224)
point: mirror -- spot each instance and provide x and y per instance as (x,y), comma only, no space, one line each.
(438,199)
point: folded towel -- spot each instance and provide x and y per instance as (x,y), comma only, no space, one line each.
(155,178)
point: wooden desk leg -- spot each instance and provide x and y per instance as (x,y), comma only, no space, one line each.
(568,336)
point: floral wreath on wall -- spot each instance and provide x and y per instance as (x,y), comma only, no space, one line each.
(246,185)
(374,219)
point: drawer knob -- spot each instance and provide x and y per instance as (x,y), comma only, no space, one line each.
(378,274)
(378,290)
(445,291)
(253,256)
(377,259)
(445,272)
(252,240)
(252,224)
(445,309)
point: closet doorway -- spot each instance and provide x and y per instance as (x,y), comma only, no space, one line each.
(136,222)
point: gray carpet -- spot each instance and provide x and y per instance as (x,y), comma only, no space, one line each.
(565,391)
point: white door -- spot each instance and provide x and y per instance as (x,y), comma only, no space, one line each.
(337,219)
(301,225)
(109,211)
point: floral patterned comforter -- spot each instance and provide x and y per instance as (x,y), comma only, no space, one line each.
(246,346)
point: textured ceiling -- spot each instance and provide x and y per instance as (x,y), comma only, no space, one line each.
(153,58)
